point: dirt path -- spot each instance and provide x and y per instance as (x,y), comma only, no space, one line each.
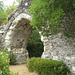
(21,69)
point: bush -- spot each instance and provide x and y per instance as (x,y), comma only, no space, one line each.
(4,64)
(47,67)
(12,58)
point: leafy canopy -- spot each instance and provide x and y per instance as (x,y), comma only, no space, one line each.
(47,14)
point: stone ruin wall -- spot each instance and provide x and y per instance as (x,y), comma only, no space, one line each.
(15,33)
(59,47)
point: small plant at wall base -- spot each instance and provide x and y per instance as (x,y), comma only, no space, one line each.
(12,58)
(4,63)
(47,67)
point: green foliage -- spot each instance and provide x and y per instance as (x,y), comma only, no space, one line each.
(47,14)
(2,13)
(12,58)
(1,5)
(35,45)
(74,3)
(12,73)
(47,67)
(10,9)
(4,64)
(6,12)
(2,16)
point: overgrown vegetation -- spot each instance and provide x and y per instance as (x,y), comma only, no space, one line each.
(48,16)
(47,67)
(4,64)
(11,56)
(6,11)
(3,15)
(35,45)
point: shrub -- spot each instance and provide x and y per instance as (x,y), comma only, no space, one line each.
(4,64)
(47,67)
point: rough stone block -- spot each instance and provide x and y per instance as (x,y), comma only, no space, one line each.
(67,58)
(73,68)
(55,58)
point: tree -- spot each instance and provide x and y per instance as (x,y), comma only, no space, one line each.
(2,16)
(2,13)
(48,15)
(6,12)
(11,8)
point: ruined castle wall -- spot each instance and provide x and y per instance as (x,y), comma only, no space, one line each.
(59,47)
(14,35)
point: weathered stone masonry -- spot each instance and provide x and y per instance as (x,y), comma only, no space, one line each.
(15,33)
(59,47)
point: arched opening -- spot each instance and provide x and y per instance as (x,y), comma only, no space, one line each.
(35,45)
(20,35)
(16,39)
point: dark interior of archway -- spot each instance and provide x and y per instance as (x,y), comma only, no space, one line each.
(35,45)
(24,36)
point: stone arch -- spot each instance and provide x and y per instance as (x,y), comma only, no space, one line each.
(17,31)
(17,36)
